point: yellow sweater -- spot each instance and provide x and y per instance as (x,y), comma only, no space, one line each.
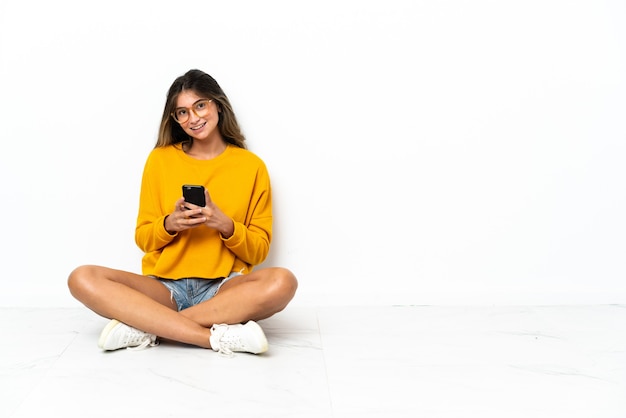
(237,182)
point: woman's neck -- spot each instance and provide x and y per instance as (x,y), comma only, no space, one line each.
(206,150)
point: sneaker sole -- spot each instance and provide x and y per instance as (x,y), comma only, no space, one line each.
(106,331)
(256,328)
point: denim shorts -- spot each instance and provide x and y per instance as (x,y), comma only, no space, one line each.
(191,291)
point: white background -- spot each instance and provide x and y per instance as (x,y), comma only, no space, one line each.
(421,152)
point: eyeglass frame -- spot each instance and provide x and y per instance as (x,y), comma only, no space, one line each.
(192,109)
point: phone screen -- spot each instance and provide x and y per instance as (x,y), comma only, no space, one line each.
(194,194)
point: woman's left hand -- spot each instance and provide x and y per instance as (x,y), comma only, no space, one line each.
(217,219)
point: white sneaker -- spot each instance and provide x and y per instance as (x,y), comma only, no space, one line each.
(117,335)
(245,338)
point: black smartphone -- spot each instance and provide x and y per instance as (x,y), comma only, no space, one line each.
(194,194)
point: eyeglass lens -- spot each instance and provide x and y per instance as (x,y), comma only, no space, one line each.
(200,108)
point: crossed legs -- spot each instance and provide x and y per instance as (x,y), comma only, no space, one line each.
(144,303)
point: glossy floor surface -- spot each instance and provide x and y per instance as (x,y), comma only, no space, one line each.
(421,361)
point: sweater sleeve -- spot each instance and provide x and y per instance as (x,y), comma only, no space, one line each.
(251,239)
(150,233)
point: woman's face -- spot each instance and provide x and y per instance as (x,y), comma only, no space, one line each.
(198,114)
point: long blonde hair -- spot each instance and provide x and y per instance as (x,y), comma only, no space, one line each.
(170,132)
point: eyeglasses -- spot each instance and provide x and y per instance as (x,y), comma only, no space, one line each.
(200,108)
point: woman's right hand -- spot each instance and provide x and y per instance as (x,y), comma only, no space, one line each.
(183,218)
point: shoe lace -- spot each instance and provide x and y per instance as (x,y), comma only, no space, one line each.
(228,342)
(145,340)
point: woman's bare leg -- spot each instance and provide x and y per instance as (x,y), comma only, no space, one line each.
(138,301)
(254,296)
(144,303)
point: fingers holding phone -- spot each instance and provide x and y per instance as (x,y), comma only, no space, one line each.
(183,218)
(197,198)
(188,210)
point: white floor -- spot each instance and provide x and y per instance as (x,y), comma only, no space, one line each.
(503,362)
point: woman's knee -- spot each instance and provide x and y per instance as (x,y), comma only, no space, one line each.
(81,279)
(283,283)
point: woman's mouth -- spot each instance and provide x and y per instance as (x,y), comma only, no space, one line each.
(195,128)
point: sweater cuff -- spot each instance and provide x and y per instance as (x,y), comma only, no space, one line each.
(237,236)
(162,233)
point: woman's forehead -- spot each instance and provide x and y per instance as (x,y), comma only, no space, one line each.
(187,97)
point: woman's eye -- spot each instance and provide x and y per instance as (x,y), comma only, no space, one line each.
(201,105)
(181,112)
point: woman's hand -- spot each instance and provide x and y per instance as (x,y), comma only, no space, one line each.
(216,219)
(185,216)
